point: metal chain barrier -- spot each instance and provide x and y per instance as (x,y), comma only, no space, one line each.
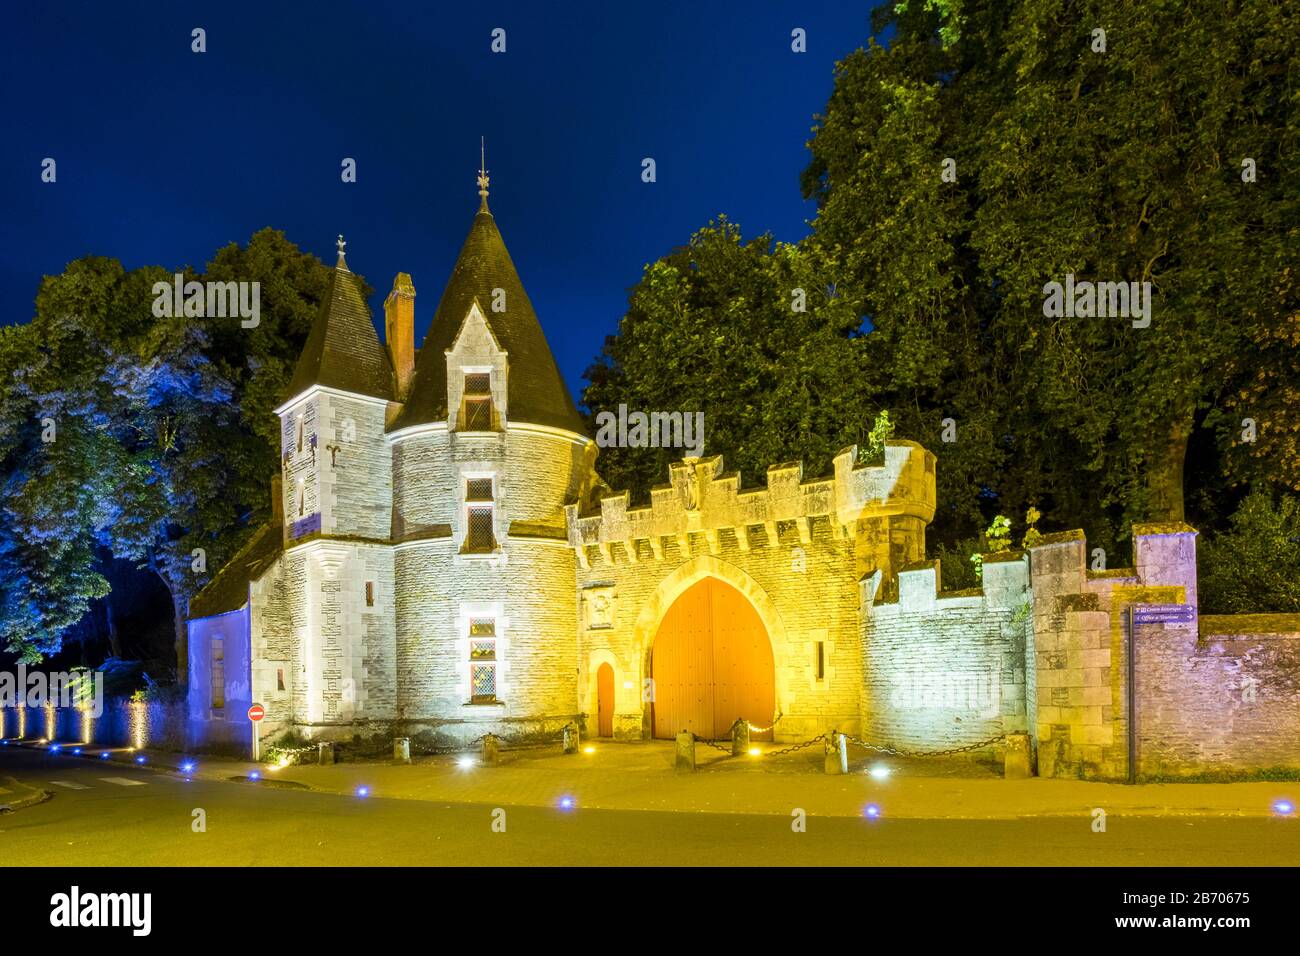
(471,744)
(902,752)
(794,747)
(715,744)
(762,730)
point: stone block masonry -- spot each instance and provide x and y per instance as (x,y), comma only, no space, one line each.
(947,670)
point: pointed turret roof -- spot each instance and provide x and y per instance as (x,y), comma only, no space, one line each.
(343,349)
(536,392)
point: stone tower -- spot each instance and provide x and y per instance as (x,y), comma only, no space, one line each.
(337,504)
(486,452)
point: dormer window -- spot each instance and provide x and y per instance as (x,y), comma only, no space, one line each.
(476,402)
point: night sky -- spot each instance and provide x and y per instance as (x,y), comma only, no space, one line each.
(165,155)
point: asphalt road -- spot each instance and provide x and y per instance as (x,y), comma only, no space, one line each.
(107,814)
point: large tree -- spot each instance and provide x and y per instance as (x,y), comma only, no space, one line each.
(1111,158)
(750,334)
(130,436)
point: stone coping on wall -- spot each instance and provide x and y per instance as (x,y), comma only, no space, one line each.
(1152,528)
(702,497)
(1060,537)
(1231,625)
(1005,582)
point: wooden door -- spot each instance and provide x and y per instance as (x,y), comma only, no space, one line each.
(605,701)
(711,663)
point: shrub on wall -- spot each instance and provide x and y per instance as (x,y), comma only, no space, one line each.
(1253,566)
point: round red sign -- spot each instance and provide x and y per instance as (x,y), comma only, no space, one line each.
(256,712)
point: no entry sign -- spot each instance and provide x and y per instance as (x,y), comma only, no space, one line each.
(256,713)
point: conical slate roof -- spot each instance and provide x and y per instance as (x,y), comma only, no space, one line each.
(343,350)
(536,393)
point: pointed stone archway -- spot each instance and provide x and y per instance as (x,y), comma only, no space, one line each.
(747,617)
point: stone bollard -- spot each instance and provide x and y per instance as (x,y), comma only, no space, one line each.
(401,749)
(1018,760)
(685,752)
(491,749)
(325,754)
(570,738)
(740,737)
(837,753)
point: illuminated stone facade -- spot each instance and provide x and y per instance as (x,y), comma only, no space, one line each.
(445,562)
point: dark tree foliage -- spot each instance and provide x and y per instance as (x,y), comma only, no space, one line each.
(987,150)
(128,436)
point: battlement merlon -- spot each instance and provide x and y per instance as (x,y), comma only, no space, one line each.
(701,497)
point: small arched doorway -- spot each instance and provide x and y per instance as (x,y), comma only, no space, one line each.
(605,701)
(712,662)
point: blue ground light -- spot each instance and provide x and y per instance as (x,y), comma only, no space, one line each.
(363,792)
(567,803)
(871,812)
(1283,807)
(140,759)
(104,755)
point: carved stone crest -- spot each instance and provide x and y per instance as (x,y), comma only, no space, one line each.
(598,607)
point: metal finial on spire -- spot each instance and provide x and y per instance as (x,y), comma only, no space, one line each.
(342,263)
(482,172)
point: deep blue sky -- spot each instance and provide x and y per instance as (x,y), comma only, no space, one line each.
(165,155)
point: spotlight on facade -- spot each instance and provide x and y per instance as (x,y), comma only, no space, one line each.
(1283,808)
(872,811)
(879,772)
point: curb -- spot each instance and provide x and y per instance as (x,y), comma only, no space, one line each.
(36,797)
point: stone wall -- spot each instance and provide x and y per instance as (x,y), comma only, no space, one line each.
(1226,699)
(156,724)
(1081,626)
(228,636)
(948,670)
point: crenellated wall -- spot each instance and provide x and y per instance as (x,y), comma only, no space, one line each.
(795,550)
(948,669)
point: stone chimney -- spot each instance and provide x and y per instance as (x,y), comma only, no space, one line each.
(399,331)
(277,500)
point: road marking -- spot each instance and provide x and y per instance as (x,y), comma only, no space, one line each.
(123,781)
(69,784)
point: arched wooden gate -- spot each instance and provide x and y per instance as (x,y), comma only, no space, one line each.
(711,663)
